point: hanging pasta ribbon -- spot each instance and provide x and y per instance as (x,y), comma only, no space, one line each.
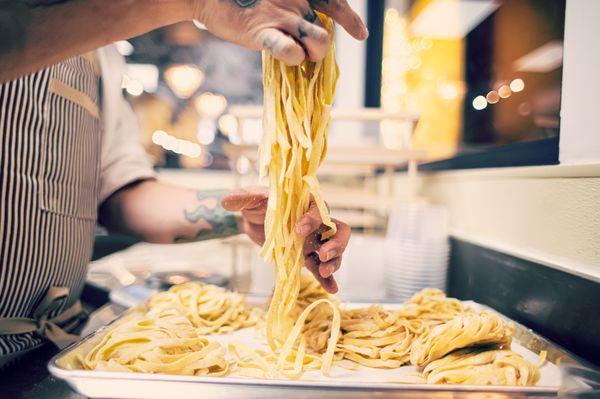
(297,104)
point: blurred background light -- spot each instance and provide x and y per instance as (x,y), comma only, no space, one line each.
(124,48)
(243,165)
(210,105)
(178,146)
(448,90)
(543,59)
(146,74)
(479,103)
(252,131)
(451,19)
(492,97)
(504,91)
(228,124)
(184,79)
(133,87)
(517,85)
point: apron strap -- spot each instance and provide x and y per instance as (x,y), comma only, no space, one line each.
(55,329)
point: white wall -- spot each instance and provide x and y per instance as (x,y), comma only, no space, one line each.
(351,85)
(580,112)
(550,215)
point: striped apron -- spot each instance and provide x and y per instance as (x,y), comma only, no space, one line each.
(50,141)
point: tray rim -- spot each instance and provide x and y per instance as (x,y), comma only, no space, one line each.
(70,375)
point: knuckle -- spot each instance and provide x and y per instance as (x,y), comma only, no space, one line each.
(286,49)
(320,35)
(338,5)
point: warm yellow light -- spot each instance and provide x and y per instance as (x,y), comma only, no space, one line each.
(210,105)
(492,97)
(504,91)
(479,103)
(414,62)
(184,80)
(228,124)
(517,85)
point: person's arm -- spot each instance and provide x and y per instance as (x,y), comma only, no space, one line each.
(159,213)
(38,33)
(34,34)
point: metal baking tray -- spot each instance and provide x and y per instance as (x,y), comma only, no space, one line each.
(96,384)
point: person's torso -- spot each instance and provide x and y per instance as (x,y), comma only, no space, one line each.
(50,143)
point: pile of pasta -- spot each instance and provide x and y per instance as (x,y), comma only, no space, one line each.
(168,334)
(430,331)
(448,342)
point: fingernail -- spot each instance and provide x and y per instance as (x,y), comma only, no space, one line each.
(329,255)
(327,271)
(365,33)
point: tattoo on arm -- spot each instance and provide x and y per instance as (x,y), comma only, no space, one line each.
(301,32)
(222,222)
(246,3)
(310,16)
(315,3)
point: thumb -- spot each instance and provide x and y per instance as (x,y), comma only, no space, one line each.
(243,199)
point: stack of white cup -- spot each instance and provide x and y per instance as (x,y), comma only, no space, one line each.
(416,250)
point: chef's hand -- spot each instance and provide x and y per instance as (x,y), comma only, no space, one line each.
(322,258)
(289,29)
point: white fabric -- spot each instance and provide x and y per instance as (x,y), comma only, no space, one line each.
(124,159)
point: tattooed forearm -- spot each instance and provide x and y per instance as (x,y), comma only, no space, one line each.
(246,3)
(209,210)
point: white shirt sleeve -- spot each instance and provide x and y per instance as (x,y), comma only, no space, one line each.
(123,158)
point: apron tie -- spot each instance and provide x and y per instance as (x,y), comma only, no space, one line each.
(55,328)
